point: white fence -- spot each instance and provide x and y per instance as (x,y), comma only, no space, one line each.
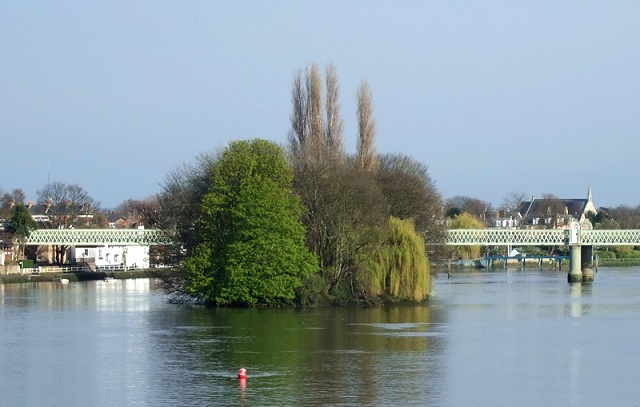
(45,269)
(71,269)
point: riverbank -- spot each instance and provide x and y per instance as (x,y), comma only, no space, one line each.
(623,262)
(86,275)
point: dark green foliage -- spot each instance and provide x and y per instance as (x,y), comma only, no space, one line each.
(474,206)
(625,216)
(313,290)
(343,292)
(252,241)
(21,225)
(602,220)
(453,212)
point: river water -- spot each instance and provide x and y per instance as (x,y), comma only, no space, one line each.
(506,338)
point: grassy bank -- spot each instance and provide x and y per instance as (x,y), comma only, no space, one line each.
(85,276)
(618,262)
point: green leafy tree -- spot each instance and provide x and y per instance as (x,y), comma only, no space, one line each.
(252,247)
(21,225)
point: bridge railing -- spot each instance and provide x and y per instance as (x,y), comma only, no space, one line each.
(505,237)
(540,237)
(80,237)
(455,237)
(611,237)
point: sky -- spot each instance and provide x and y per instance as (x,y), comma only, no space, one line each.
(495,97)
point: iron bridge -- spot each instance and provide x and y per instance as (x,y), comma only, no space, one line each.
(97,237)
(541,237)
(455,237)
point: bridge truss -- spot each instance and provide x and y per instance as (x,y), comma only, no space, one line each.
(455,237)
(505,237)
(540,237)
(97,237)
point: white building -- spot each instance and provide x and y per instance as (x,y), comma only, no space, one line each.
(112,257)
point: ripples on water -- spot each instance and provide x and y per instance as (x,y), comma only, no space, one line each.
(486,339)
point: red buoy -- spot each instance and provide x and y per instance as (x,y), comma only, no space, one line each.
(242,373)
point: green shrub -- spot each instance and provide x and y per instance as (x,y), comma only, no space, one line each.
(27,263)
(631,254)
(341,292)
(606,255)
(313,290)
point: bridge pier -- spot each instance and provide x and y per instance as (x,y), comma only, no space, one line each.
(581,264)
(580,237)
(575,264)
(587,263)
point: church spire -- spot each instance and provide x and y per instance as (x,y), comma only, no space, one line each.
(589,195)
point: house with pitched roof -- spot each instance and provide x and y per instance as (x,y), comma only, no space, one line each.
(554,213)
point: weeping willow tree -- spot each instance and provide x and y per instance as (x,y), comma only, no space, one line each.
(397,267)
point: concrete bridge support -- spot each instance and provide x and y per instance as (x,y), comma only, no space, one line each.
(575,267)
(581,264)
(587,263)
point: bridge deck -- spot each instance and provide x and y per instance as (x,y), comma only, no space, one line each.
(455,237)
(82,237)
(540,237)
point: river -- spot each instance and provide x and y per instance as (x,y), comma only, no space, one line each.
(504,338)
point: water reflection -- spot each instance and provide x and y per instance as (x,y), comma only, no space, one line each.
(579,299)
(123,295)
(485,339)
(329,356)
(575,379)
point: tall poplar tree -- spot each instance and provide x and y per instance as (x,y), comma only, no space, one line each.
(367,159)
(335,124)
(316,134)
(349,198)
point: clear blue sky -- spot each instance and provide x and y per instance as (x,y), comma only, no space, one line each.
(534,97)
